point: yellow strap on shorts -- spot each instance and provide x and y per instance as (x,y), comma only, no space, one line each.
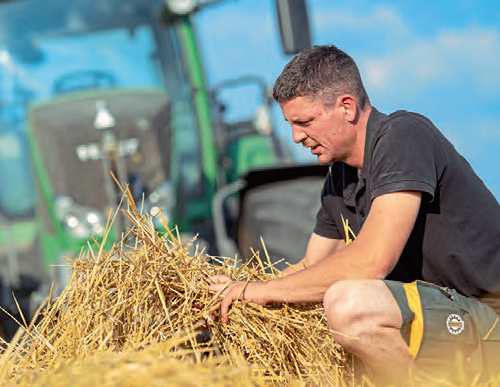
(491,330)
(417,325)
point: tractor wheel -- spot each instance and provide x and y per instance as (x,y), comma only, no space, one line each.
(283,214)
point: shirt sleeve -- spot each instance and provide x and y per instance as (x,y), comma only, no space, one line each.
(328,224)
(405,157)
(325,225)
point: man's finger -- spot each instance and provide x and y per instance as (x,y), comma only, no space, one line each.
(219,279)
(224,308)
(216,288)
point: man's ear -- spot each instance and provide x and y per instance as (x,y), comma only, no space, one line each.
(349,107)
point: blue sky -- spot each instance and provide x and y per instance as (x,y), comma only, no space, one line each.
(440,58)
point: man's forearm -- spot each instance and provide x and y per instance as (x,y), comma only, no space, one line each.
(318,248)
(294,268)
(311,283)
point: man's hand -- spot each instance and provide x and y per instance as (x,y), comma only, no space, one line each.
(229,291)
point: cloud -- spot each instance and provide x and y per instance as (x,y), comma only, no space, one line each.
(366,28)
(380,17)
(469,58)
(400,56)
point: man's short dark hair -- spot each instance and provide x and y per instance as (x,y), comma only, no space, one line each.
(321,72)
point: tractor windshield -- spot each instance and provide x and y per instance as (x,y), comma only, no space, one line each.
(55,46)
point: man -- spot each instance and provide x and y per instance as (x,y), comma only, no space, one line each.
(419,212)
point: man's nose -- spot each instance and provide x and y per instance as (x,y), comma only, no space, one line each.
(298,135)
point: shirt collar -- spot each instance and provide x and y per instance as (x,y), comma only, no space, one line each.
(357,182)
(372,125)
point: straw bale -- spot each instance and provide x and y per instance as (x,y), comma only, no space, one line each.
(149,290)
(156,365)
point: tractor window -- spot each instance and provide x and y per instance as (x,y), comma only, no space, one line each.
(16,190)
(112,58)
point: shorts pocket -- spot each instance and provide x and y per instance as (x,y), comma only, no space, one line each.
(449,331)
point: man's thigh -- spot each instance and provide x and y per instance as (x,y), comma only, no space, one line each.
(444,329)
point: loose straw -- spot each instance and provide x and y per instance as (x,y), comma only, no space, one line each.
(148,290)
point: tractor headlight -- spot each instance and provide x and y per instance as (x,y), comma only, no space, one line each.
(161,199)
(78,220)
(181,7)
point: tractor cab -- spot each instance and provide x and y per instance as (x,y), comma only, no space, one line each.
(111,96)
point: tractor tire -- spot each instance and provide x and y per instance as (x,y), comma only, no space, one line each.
(282,213)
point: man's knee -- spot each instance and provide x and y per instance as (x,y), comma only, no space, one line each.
(345,306)
(353,305)
(353,296)
(340,300)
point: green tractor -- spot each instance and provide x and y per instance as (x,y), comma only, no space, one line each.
(117,88)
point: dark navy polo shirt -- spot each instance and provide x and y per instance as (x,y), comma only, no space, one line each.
(456,238)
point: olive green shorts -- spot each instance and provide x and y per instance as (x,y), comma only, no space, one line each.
(442,327)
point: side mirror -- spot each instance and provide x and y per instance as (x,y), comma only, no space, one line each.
(293,22)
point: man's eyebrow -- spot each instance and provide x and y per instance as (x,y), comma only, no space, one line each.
(300,121)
